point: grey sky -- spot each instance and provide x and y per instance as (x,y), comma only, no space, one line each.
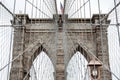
(106,6)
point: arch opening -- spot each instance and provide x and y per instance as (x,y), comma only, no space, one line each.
(77,68)
(42,68)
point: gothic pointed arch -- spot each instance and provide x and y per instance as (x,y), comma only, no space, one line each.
(42,68)
(77,68)
(31,54)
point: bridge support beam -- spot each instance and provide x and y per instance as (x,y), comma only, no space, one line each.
(17,66)
(45,33)
(102,51)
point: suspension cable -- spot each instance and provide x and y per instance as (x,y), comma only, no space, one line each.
(16,57)
(38,8)
(56,6)
(79,8)
(47,6)
(110,11)
(23,53)
(101,35)
(117,23)
(11,40)
(9,11)
(71,5)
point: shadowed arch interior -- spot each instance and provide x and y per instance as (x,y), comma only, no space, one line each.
(83,51)
(31,55)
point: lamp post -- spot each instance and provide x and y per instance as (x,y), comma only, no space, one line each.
(95,69)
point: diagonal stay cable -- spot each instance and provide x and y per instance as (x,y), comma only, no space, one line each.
(9,11)
(72,42)
(38,8)
(117,22)
(91,53)
(103,62)
(71,6)
(29,72)
(17,57)
(52,5)
(111,11)
(79,8)
(47,6)
(11,42)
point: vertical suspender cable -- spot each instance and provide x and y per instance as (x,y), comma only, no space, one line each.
(25,12)
(85,22)
(90,10)
(84,11)
(91,22)
(81,11)
(32,11)
(0,44)
(77,52)
(40,8)
(31,21)
(43,16)
(36,11)
(102,39)
(117,23)
(14,8)
(10,49)
(101,35)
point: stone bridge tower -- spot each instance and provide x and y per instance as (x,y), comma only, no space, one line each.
(60,38)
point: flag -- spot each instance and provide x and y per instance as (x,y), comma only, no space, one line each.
(62,8)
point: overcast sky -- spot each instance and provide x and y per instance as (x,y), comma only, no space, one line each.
(106,6)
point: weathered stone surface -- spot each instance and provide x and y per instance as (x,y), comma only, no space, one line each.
(59,44)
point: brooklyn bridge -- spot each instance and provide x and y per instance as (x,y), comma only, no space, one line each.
(59,40)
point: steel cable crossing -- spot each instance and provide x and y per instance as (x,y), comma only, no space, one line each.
(77,12)
(6,39)
(116,5)
(30,34)
(13,17)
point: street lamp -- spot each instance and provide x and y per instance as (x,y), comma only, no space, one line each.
(95,69)
(94,72)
